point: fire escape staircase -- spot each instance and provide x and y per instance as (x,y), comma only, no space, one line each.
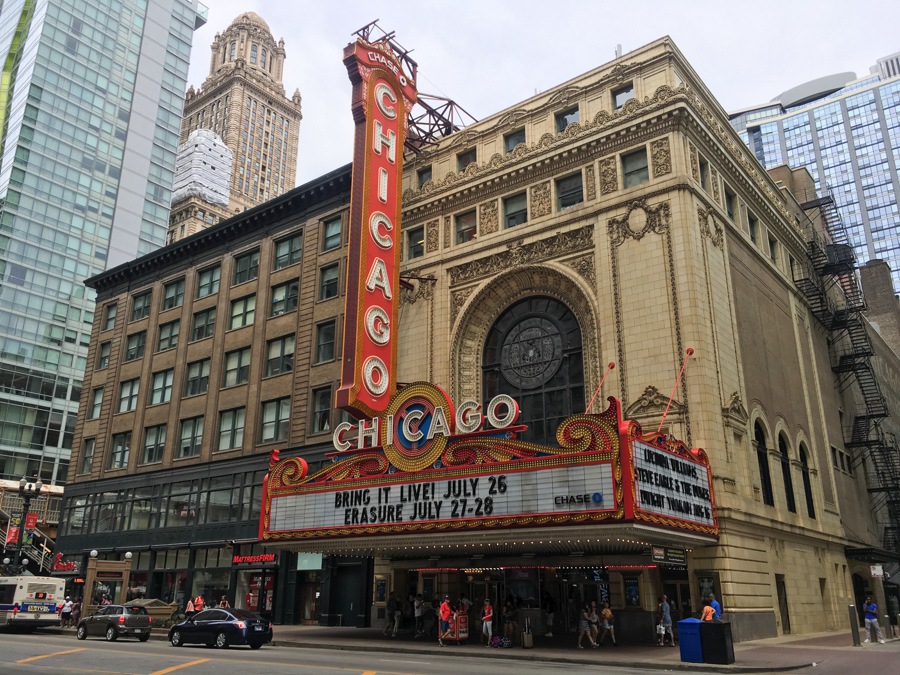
(828,280)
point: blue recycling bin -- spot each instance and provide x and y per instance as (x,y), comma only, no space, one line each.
(689,640)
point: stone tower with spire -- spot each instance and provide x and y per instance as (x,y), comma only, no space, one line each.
(243,101)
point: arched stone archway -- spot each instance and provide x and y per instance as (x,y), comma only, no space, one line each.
(496,295)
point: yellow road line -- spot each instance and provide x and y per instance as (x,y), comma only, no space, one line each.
(174,668)
(369,672)
(46,656)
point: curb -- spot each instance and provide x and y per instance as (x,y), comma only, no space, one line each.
(161,635)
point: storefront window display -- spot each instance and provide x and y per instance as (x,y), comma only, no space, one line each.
(212,574)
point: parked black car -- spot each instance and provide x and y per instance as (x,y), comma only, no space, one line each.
(222,628)
(115,621)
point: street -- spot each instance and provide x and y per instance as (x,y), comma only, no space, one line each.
(63,653)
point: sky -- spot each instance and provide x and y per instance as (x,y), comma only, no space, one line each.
(488,55)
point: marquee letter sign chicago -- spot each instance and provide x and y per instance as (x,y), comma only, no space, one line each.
(383,95)
(425,467)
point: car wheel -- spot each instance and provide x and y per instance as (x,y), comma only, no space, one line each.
(143,638)
(81,633)
(221,640)
(255,645)
(176,639)
(111,634)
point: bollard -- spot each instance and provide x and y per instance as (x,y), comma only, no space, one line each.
(854,625)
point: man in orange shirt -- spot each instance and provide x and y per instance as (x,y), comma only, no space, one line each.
(445,614)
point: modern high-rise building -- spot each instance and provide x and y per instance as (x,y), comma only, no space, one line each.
(90,113)
(846,131)
(243,101)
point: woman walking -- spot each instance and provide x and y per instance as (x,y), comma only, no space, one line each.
(584,626)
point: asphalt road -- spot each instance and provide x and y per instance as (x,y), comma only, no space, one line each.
(55,654)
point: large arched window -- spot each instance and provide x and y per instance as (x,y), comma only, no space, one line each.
(786,474)
(807,486)
(762,457)
(533,353)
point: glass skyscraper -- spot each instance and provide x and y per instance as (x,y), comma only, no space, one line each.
(846,131)
(91,98)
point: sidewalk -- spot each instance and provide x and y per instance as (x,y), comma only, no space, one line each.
(772,655)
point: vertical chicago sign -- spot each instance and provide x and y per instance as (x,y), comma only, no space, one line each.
(383,94)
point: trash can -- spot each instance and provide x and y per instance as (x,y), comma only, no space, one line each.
(689,640)
(716,642)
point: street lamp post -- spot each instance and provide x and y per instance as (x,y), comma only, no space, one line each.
(28,490)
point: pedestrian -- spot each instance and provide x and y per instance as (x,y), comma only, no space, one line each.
(871,609)
(510,620)
(419,610)
(550,609)
(487,622)
(223,603)
(105,600)
(65,612)
(594,619)
(664,617)
(393,616)
(606,625)
(189,610)
(199,602)
(717,608)
(706,614)
(584,627)
(76,611)
(444,612)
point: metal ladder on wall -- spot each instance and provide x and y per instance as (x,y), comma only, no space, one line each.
(828,280)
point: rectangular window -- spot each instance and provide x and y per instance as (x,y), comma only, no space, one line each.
(87,455)
(204,324)
(465,158)
(246,267)
(96,402)
(154,444)
(569,191)
(622,94)
(191,437)
(140,306)
(704,174)
(243,311)
(730,203)
(512,139)
(773,249)
(197,380)
(634,168)
(328,282)
(109,316)
(134,346)
(162,387)
(168,336)
(423,175)
(231,429)
(466,227)
(118,452)
(275,415)
(325,342)
(173,294)
(753,223)
(415,243)
(285,298)
(128,394)
(288,251)
(103,355)
(515,210)
(331,238)
(208,281)
(321,410)
(280,355)
(565,118)
(237,367)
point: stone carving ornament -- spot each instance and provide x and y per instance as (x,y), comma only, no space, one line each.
(661,157)
(488,217)
(619,229)
(609,179)
(540,199)
(431,236)
(590,185)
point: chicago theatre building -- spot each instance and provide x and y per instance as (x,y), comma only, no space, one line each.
(605,360)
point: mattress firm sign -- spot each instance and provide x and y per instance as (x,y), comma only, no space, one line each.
(671,486)
(572,489)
